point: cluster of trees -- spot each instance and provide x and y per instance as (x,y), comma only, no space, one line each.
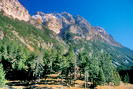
(16,61)
(126,75)
(98,68)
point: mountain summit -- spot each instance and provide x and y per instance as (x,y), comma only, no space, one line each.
(62,22)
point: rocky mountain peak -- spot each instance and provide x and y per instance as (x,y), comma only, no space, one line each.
(62,22)
(68,17)
(40,13)
(13,9)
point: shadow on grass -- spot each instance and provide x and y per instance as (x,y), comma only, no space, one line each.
(49,81)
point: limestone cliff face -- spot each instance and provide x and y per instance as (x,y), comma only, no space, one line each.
(49,20)
(13,9)
(61,23)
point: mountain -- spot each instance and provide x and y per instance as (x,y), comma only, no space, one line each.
(62,22)
(66,29)
(78,32)
(13,9)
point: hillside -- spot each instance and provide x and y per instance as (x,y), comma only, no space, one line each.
(27,35)
(78,32)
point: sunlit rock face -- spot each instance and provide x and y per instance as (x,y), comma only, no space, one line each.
(50,21)
(13,9)
(62,22)
(55,21)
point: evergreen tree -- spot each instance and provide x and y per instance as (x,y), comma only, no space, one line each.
(101,78)
(68,64)
(38,66)
(35,66)
(126,78)
(116,78)
(50,56)
(107,66)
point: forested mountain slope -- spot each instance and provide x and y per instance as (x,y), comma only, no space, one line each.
(79,33)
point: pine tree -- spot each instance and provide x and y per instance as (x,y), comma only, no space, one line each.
(126,78)
(107,66)
(37,66)
(101,78)
(116,78)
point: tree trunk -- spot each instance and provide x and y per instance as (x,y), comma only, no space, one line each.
(85,79)
(75,71)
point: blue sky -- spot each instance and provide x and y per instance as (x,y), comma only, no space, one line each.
(115,16)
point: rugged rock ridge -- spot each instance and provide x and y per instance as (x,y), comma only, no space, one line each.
(62,22)
(12,8)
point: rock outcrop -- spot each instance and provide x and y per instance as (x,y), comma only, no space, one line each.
(12,8)
(50,20)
